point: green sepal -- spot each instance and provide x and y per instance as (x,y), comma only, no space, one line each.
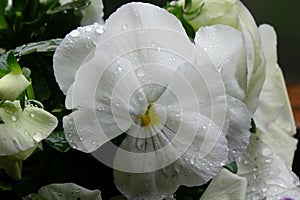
(13,64)
(179,13)
(253,127)
(189,16)
(187,5)
(232,167)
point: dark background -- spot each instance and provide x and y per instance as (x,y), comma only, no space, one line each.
(284,15)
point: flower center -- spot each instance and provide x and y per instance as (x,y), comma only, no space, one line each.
(150,117)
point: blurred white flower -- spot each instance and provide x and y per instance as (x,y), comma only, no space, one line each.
(20,133)
(249,77)
(92,14)
(274,117)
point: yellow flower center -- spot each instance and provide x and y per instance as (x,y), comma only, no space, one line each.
(150,117)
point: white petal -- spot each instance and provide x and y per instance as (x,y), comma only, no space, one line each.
(22,130)
(72,51)
(142,16)
(226,186)
(255,58)
(239,125)
(225,47)
(274,114)
(193,166)
(280,143)
(197,88)
(274,106)
(268,176)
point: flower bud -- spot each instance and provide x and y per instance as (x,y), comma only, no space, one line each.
(12,85)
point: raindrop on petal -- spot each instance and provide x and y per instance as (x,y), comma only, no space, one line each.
(75,33)
(14,118)
(32,114)
(140,73)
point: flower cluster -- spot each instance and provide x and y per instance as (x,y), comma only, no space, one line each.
(187,106)
(189,95)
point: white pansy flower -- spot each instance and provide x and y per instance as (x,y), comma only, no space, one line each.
(20,133)
(233,13)
(143,76)
(267,174)
(12,85)
(274,115)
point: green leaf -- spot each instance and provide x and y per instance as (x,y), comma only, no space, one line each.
(57,141)
(3,23)
(232,167)
(5,186)
(13,63)
(39,47)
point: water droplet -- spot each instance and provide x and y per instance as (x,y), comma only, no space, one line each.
(125,27)
(255,168)
(177,169)
(100,29)
(193,160)
(120,69)
(140,144)
(75,33)
(158,49)
(14,118)
(140,73)
(172,59)
(88,29)
(265,189)
(266,152)
(268,160)
(32,114)
(78,190)
(80,138)
(73,145)
(246,162)
(94,142)
(254,188)
(38,137)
